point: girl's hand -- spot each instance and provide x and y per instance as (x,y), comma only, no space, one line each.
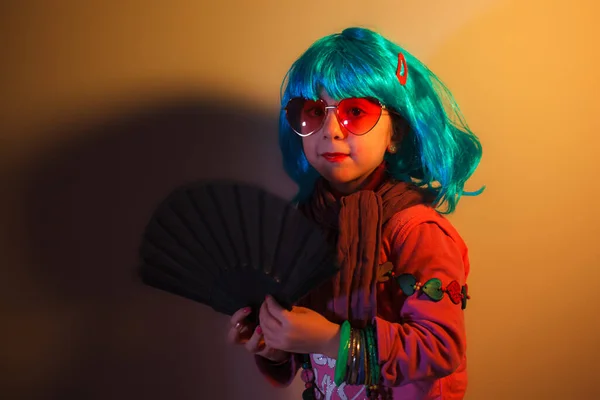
(298,331)
(243,333)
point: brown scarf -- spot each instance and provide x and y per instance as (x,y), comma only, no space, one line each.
(356,222)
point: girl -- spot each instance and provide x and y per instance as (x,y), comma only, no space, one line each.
(380,153)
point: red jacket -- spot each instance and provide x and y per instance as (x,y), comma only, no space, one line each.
(421,342)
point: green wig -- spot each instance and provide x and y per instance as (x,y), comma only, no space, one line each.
(438,151)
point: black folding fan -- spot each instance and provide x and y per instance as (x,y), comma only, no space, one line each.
(227,245)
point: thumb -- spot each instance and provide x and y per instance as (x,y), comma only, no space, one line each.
(274,307)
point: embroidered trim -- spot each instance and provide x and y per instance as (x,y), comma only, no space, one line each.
(433,288)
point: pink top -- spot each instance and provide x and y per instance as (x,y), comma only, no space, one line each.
(421,343)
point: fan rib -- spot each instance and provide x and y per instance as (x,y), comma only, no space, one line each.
(154,270)
(168,255)
(211,194)
(261,237)
(280,235)
(171,283)
(238,203)
(212,233)
(296,259)
(189,229)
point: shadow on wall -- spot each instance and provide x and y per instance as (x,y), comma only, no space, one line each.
(103,334)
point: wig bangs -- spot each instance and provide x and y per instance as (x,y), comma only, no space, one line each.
(341,70)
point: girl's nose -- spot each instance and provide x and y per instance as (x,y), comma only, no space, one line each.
(331,127)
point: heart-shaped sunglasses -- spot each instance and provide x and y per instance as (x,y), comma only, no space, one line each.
(357,115)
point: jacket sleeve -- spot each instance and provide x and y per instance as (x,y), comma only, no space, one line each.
(429,340)
(279,375)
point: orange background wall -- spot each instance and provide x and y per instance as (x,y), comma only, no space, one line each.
(107,105)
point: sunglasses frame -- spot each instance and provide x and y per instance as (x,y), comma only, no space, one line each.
(382,107)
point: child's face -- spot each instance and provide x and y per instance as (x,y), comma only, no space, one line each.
(345,159)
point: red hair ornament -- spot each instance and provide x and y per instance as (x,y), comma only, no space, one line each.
(402,70)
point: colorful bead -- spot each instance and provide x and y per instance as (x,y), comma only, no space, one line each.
(465,296)
(307,375)
(308,394)
(385,271)
(433,289)
(454,292)
(407,283)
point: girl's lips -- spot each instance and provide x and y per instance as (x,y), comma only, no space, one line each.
(334,157)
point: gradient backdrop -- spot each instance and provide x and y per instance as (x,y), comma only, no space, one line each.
(107,105)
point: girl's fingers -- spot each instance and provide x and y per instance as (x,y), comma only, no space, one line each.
(234,336)
(275,309)
(240,330)
(256,345)
(268,322)
(264,318)
(256,342)
(239,316)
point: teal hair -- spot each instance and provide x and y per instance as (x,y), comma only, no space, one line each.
(438,151)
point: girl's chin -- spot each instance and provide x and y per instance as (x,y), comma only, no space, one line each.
(339,177)
(339,173)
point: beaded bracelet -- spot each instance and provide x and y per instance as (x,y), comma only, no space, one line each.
(308,377)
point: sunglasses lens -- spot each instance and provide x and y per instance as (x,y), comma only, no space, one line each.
(360,115)
(305,116)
